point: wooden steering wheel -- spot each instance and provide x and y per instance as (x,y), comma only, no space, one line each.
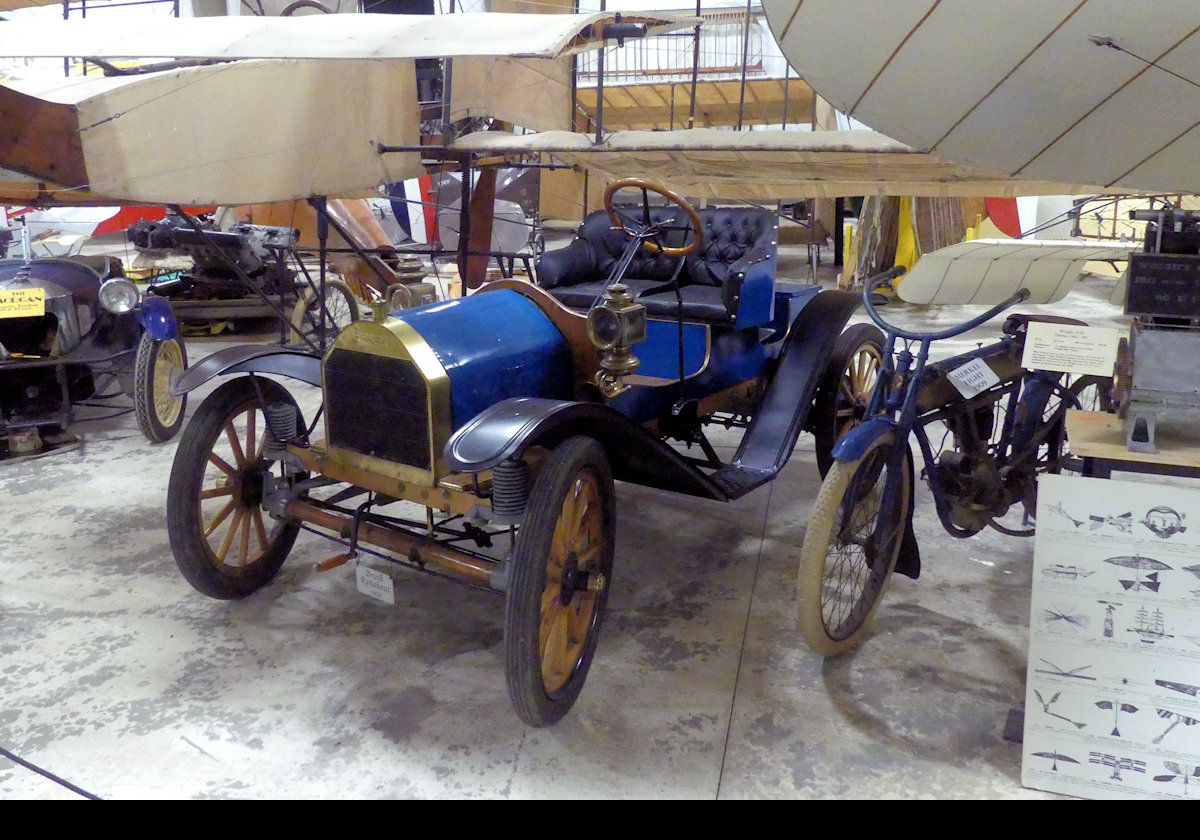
(647,230)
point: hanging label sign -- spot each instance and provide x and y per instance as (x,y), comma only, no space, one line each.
(22,303)
(973,378)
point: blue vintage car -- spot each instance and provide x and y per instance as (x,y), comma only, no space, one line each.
(508,415)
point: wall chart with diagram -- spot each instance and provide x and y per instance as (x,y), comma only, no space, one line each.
(1112,705)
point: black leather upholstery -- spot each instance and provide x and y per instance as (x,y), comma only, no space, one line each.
(710,281)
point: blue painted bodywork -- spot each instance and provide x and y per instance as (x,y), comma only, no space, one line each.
(854,443)
(493,346)
(155,315)
(757,298)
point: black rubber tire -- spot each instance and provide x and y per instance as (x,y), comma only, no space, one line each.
(159,415)
(198,488)
(549,644)
(342,311)
(845,388)
(831,622)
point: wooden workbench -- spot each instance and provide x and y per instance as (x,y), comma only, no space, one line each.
(1099,439)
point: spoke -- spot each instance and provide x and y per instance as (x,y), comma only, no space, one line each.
(260,529)
(219,462)
(220,517)
(231,434)
(244,548)
(251,439)
(229,534)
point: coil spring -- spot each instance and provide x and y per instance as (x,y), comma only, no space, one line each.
(281,427)
(510,489)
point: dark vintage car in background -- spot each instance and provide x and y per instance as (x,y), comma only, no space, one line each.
(75,331)
(479,438)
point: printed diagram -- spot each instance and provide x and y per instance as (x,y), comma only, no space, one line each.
(1139,565)
(1150,628)
(1117,764)
(1165,522)
(1059,672)
(1117,707)
(1182,688)
(1060,619)
(1056,757)
(1061,572)
(1110,611)
(1112,696)
(1046,704)
(1179,773)
(1176,718)
(1058,509)
(1123,523)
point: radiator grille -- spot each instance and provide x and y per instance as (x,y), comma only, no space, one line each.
(378,406)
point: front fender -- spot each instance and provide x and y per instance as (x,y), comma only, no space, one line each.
(156,317)
(508,428)
(855,442)
(251,358)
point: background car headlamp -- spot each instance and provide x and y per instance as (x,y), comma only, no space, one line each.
(119,295)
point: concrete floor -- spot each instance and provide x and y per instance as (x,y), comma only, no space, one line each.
(119,678)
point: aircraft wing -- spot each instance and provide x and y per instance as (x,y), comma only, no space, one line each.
(360,36)
(765,165)
(1020,87)
(986,271)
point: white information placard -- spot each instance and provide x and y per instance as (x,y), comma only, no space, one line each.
(973,378)
(375,584)
(1112,705)
(1070,348)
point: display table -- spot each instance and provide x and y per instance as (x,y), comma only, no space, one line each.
(1099,439)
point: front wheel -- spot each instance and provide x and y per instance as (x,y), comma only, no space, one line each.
(850,548)
(846,388)
(561,567)
(339,311)
(159,413)
(224,543)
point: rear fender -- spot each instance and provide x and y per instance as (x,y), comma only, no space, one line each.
(251,358)
(508,428)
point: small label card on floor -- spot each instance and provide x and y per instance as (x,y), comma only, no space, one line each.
(377,585)
(1112,698)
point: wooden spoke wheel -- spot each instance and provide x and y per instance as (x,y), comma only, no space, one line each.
(561,567)
(225,544)
(845,390)
(159,413)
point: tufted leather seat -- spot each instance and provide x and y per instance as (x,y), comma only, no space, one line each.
(729,279)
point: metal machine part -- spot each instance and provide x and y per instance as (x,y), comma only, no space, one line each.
(1158,381)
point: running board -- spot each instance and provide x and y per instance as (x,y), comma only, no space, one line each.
(783,410)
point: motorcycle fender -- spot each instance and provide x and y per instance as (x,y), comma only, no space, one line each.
(251,358)
(854,443)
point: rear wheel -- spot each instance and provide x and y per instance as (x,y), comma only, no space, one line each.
(224,543)
(850,548)
(159,413)
(561,567)
(846,388)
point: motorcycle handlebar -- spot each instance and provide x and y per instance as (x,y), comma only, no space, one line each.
(873,283)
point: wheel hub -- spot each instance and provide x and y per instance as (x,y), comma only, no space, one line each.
(252,488)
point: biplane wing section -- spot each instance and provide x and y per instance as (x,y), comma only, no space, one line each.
(1095,91)
(710,163)
(300,131)
(986,271)
(348,37)
(13,5)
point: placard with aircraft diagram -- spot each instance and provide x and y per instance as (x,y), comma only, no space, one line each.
(1112,699)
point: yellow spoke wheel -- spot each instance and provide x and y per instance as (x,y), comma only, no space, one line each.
(159,413)
(846,387)
(560,571)
(224,543)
